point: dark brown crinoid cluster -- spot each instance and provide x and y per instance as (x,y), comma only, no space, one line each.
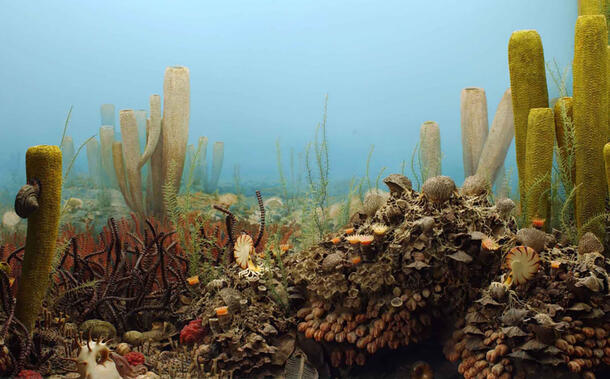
(553,324)
(390,278)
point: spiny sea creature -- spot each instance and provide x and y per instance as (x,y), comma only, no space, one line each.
(523,262)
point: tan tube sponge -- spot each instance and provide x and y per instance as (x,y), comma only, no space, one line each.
(106,141)
(94,161)
(44,175)
(131,154)
(430,149)
(528,88)
(176,104)
(564,133)
(154,152)
(498,141)
(107,115)
(202,171)
(218,152)
(119,167)
(67,152)
(539,163)
(590,80)
(473,110)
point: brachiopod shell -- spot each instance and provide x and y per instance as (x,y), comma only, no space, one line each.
(26,201)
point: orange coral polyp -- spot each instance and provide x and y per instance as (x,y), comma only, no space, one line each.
(335,240)
(365,240)
(538,223)
(193,280)
(349,230)
(221,311)
(356,260)
(354,239)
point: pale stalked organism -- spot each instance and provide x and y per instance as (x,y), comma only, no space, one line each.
(523,262)
(242,249)
(94,362)
(438,189)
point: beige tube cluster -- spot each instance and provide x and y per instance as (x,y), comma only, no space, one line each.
(165,149)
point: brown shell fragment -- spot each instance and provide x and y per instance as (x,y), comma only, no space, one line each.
(398,184)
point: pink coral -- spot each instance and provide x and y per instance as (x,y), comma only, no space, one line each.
(191,333)
(135,358)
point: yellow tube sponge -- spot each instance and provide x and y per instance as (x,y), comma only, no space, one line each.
(589,7)
(607,160)
(528,88)
(43,163)
(539,163)
(590,80)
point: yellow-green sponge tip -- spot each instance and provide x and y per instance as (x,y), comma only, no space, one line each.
(528,88)
(590,108)
(44,164)
(539,163)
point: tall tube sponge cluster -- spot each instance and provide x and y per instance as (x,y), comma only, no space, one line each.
(40,202)
(590,108)
(528,89)
(166,140)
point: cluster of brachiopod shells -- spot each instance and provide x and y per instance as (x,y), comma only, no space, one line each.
(556,322)
(381,281)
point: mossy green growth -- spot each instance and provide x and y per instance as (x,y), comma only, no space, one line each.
(607,160)
(539,163)
(590,80)
(43,163)
(564,133)
(528,89)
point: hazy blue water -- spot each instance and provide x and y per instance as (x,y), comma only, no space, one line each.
(260,69)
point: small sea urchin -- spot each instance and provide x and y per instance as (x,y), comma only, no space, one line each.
(523,262)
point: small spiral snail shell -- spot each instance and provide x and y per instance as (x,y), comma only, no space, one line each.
(26,201)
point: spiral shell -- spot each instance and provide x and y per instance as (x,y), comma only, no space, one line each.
(26,201)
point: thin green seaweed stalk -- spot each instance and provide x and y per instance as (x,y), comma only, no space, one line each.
(76,156)
(66,123)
